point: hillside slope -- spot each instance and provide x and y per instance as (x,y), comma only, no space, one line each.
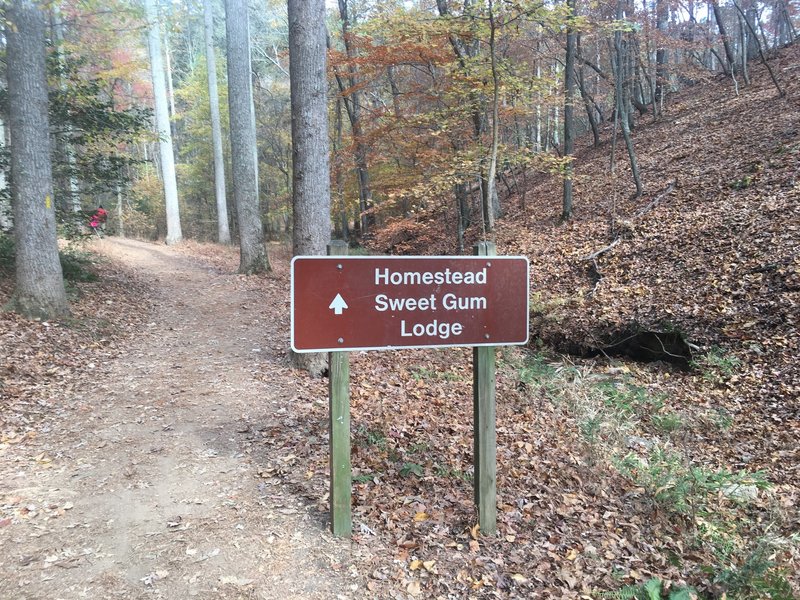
(707,264)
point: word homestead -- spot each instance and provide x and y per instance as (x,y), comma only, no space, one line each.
(372,303)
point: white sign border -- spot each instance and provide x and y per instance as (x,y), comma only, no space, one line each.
(345,257)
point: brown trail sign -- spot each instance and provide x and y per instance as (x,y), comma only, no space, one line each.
(371,303)
(342,303)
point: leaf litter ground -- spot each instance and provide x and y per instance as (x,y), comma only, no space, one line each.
(191,461)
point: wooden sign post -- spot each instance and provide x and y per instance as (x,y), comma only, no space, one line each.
(339,431)
(342,303)
(484,435)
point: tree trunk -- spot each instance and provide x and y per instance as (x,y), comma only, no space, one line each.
(170,89)
(731,70)
(491,210)
(591,108)
(120,214)
(166,154)
(781,91)
(463,214)
(72,201)
(223,231)
(537,144)
(340,228)
(6,220)
(253,254)
(353,107)
(569,115)
(662,19)
(465,52)
(39,291)
(311,194)
(622,102)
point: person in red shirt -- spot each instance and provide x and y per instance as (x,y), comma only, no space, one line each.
(101,214)
(98,219)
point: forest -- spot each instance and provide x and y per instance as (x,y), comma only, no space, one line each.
(159,438)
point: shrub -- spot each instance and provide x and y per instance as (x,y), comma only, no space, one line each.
(77,265)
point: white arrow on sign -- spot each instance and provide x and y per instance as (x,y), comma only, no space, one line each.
(338,304)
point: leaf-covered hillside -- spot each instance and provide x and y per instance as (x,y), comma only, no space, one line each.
(706,264)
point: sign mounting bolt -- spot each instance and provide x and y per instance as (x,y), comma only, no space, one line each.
(486,336)
(339,266)
(341,340)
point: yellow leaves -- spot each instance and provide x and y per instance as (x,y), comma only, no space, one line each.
(475,530)
(14,437)
(428,565)
(414,587)
(43,459)
(572,554)
(421,516)
(527,447)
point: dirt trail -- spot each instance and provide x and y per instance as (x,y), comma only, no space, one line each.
(143,485)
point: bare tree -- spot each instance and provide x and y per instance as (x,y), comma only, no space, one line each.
(622,101)
(352,103)
(223,231)
(491,204)
(662,55)
(166,154)
(39,291)
(311,178)
(726,43)
(253,254)
(569,113)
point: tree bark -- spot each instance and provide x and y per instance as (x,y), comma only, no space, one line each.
(72,201)
(223,231)
(253,254)
(166,153)
(39,291)
(311,192)
(6,220)
(352,104)
(662,19)
(781,91)
(622,102)
(731,70)
(591,108)
(569,115)
(490,210)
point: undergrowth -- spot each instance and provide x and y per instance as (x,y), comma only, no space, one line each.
(77,265)
(726,538)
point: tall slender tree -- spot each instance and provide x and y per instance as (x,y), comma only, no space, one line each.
(569,109)
(311,180)
(166,153)
(223,231)
(73,200)
(5,203)
(491,200)
(726,42)
(622,98)
(39,288)
(352,103)
(662,54)
(253,254)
